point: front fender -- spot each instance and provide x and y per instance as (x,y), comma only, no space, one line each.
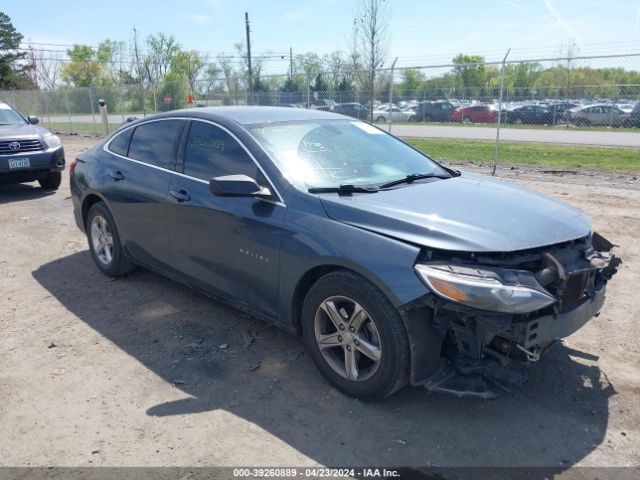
(313,240)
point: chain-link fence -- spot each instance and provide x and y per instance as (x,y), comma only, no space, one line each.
(524,111)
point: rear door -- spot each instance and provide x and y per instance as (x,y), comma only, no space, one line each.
(137,184)
(228,245)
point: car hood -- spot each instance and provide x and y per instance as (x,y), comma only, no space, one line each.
(22,131)
(470,213)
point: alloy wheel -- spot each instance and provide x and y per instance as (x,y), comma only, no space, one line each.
(102,239)
(348,338)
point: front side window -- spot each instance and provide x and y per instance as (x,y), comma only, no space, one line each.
(154,142)
(212,152)
(329,153)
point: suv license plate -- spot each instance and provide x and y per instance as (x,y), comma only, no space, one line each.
(22,163)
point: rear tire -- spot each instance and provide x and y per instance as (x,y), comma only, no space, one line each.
(467,120)
(344,349)
(104,242)
(52,181)
(381,119)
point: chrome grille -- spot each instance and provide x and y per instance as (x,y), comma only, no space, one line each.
(8,147)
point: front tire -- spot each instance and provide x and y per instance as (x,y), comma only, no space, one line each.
(355,336)
(104,242)
(52,181)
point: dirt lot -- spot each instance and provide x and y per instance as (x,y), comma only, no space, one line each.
(141,371)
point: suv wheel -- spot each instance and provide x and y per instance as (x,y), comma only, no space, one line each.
(104,242)
(381,119)
(51,181)
(355,336)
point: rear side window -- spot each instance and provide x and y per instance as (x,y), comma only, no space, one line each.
(120,142)
(212,152)
(154,142)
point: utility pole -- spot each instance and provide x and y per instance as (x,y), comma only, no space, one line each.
(246,21)
(290,63)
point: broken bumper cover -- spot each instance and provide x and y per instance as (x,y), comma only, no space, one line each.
(549,328)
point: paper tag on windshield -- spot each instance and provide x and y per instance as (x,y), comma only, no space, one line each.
(367,128)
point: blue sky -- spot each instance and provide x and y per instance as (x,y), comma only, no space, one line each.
(422,32)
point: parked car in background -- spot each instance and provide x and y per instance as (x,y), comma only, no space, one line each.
(352,109)
(384,114)
(27,152)
(438,111)
(634,117)
(528,114)
(474,114)
(558,109)
(605,115)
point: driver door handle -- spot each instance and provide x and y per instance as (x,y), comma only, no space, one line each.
(181,195)
(116,175)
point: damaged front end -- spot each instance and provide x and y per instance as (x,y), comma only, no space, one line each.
(492,314)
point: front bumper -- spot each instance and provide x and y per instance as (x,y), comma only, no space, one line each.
(549,328)
(42,163)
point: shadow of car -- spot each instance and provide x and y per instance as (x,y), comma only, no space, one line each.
(264,376)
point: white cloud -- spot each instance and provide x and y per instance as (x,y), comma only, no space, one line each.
(555,14)
(199,18)
(212,3)
(298,14)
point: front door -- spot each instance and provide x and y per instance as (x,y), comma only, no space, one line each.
(228,245)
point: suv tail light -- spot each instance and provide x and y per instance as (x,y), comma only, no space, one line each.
(72,166)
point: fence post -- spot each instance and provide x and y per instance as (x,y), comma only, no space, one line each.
(46,107)
(93,111)
(308,90)
(66,99)
(393,65)
(495,156)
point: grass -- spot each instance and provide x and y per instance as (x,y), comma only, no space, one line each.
(79,128)
(556,156)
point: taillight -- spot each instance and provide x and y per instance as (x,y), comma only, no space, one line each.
(72,166)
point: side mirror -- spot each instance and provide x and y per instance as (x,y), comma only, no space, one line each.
(237,186)
(33,120)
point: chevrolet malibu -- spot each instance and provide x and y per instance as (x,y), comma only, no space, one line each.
(393,268)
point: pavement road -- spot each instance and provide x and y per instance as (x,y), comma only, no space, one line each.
(613,138)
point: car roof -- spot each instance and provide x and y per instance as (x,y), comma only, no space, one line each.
(247,115)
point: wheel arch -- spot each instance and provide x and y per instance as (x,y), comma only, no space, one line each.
(88,201)
(313,274)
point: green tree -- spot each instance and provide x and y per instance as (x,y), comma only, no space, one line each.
(83,68)
(187,65)
(412,83)
(469,71)
(14,70)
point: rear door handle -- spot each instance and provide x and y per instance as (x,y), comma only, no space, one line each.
(117,176)
(181,195)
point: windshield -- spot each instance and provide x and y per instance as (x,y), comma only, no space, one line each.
(8,116)
(329,153)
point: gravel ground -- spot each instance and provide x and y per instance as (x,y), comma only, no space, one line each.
(141,371)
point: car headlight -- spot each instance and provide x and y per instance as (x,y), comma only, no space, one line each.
(52,141)
(496,290)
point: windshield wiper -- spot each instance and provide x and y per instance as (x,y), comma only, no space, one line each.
(412,177)
(345,189)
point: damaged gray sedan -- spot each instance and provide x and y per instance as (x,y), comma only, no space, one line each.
(393,268)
